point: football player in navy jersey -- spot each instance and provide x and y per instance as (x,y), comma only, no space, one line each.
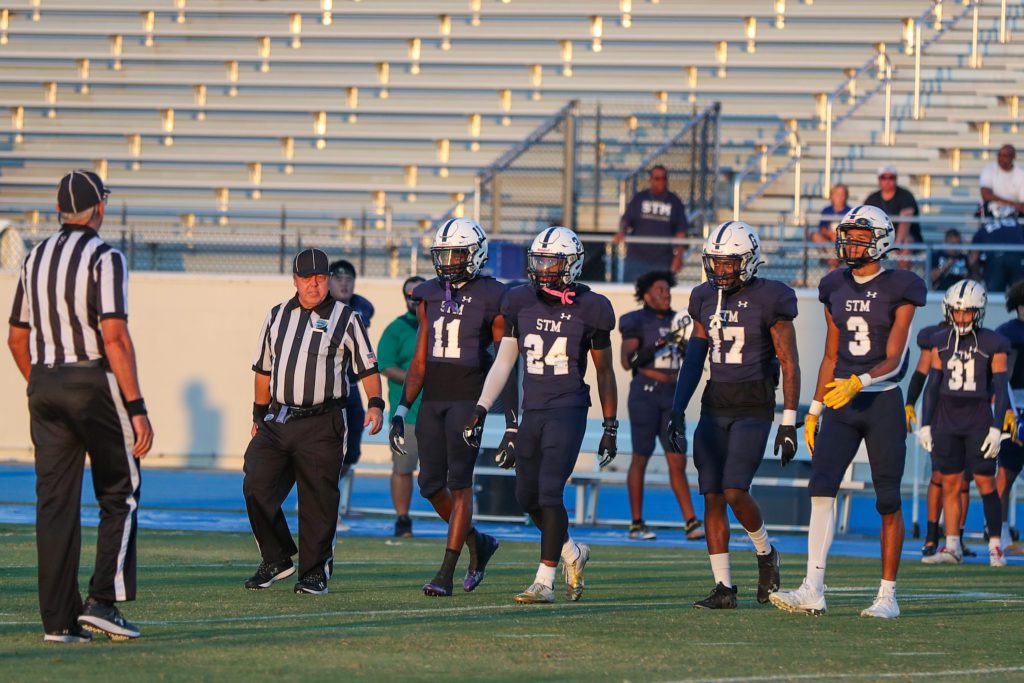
(555,324)
(869,311)
(459,321)
(653,345)
(1011,455)
(957,423)
(747,323)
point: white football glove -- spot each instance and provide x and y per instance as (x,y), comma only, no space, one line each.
(990,447)
(924,437)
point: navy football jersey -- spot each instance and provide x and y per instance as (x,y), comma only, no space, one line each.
(1013,330)
(741,350)
(554,342)
(459,338)
(965,391)
(648,327)
(925,338)
(864,314)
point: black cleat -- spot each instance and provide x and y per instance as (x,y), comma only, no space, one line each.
(266,574)
(313,583)
(767,575)
(440,586)
(106,619)
(929,549)
(486,546)
(966,551)
(75,634)
(403,526)
(721,598)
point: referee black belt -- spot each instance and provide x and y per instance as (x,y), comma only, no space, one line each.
(93,363)
(282,413)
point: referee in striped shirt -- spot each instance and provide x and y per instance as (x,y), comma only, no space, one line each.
(299,427)
(69,338)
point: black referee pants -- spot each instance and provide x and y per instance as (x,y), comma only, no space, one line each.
(308,451)
(75,410)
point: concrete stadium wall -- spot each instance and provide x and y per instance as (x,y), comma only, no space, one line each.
(195,336)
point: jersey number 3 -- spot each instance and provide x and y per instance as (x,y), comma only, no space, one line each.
(536,359)
(860,345)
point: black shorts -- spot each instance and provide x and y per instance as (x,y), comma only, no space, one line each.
(1011,457)
(445,459)
(547,447)
(728,450)
(650,405)
(956,453)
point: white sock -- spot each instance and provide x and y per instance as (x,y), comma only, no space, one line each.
(570,551)
(994,543)
(819,539)
(721,569)
(545,575)
(1005,540)
(887,588)
(952,543)
(760,540)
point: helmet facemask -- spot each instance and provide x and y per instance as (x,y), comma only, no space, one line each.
(548,270)
(453,264)
(844,241)
(726,273)
(973,324)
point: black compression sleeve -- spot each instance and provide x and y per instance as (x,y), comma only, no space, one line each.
(916,385)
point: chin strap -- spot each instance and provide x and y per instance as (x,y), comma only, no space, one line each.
(565,295)
(716,318)
(448,306)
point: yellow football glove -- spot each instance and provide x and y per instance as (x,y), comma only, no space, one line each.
(843,391)
(911,418)
(1010,426)
(810,431)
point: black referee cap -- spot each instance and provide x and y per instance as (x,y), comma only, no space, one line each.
(80,190)
(310,262)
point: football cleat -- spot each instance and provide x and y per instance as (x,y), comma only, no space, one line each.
(694,529)
(721,597)
(403,527)
(996,558)
(536,594)
(929,549)
(944,556)
(313,583)
(966,550)
(486,546)
(266,574)
(573,573)
(767,575)
(638,531)
(107,620)
(805,600)
(75,634)
(884,607)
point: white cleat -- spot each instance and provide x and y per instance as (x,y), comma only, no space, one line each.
(996,558)
(944,556)
(573,572)
(884,607)
(537,593)
(804,600)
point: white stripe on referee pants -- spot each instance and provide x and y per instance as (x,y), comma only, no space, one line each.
(120,593)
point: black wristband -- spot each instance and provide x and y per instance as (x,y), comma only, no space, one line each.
(259,411)
(376,402)
(136,407)
(611,425)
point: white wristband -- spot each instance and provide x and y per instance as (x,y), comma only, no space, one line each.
(789,418)
(865,379)
(401,411)
(816,408)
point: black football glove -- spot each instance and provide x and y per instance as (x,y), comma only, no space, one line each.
(785,443)
(475,427)
(606,449)
(396,436)
(677,432)
(505,458)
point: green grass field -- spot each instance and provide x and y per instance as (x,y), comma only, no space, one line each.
(634,622)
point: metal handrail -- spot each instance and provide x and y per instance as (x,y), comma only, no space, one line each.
(920,47)
(785,137)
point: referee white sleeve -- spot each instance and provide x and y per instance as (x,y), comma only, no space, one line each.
(19,310)
(360,350)
(112,285)
(263,362)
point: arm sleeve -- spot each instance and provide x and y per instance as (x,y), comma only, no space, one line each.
(497,376)
(364,362)
(19,309)
(1001,389)
(689,375)
(931,396)
(263,361)
(112,285)
(916,385)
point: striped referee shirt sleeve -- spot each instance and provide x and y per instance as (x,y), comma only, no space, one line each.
(263,362)
(19,310)
(112,285)
(360,350)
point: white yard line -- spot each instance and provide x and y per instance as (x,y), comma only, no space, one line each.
(833,675)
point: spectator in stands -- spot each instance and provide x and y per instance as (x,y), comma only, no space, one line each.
(830,217)
(998,268)
(1003,182)
(949,266)
(654,212)
(394,354)
(896,201)
(342,283)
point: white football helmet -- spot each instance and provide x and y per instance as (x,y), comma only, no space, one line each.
(555,259)
(459,251)
(966,295)
(682,324)
(735,244)
(882,239)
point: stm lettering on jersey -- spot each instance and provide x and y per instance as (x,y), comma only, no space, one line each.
(864,314)
(647,326)
(555,340)
(966,386)
(459,338)
(744,364)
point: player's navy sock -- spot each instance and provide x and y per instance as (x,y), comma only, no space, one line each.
(471,546)
(932,536)
(554,526)
(993,513)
